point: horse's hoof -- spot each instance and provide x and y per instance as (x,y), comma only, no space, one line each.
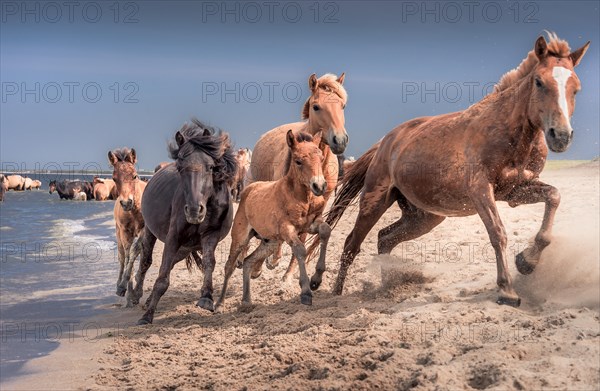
(511,301)
(218,309)
(239,264)
(523,266)
(306,299)
(256,274)
(143,322)
(270,266)
(314,285)
(121,291)
(206,303)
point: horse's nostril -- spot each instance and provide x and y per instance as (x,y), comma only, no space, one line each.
(186,209)
(552,133)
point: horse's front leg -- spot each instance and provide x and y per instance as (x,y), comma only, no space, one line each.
(162,281)
(209,244)
(324,231)
(532,193)
(482,196)
(291,237)
(121,255)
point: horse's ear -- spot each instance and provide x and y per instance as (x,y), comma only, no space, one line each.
(541,48)
(313,82)
(341,78)
(206,132)
(577,55)
(179,138)
(290,138)
(132,157)
(112,158)
(317,138)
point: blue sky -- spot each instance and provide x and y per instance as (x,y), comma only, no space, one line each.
(172,61)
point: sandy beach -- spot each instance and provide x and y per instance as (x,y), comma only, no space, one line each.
(422,318)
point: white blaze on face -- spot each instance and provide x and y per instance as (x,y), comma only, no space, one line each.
(562,75)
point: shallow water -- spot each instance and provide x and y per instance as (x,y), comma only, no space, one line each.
(58,267)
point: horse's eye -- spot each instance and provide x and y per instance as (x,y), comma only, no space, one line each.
(299,162)
(135,177)
(316,108)
(344,107)
(538,83)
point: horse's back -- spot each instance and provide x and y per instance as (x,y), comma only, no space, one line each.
(157,194)
(270,152)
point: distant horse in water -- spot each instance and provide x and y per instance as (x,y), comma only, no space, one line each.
(3,186)
(244,158)
(129,222)
(461,163)
(16,182)
(188,206)
(161,165)
(324,113)
(294,204)
(69,190)
(36,184)
(105,189)
(28,183)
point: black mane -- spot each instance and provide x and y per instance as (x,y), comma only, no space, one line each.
(215,144)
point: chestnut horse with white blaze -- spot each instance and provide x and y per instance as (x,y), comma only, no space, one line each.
(294,204)
(460,164)
(129,221)
(323,112)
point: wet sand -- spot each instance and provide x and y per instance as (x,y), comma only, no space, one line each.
(422,318)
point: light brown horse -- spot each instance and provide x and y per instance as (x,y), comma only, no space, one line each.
(36,184)
(461,163)
(105,189)
(160,166)
(294,204)
(128,213)
(323,112)
(244,158)
(16,182)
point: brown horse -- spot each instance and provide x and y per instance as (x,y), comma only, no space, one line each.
(3,186)
(187,205)
(127,211)
(323,112)
(244,158)
(294,204)
(461,163)
(105,189)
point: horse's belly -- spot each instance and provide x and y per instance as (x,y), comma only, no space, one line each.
(437,198)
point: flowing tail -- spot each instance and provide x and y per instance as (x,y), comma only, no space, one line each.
(349,188)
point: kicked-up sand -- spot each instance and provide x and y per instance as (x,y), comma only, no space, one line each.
(422,318)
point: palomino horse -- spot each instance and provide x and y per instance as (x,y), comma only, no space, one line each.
(323,112)
(161,165)
(461,163)
(36,184)
(16,182)
(129,222)
(244,158)
(295,204)
(188,206)
(105,189)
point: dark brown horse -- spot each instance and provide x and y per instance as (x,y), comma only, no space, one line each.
(188,206)
(69,189)
(461,163)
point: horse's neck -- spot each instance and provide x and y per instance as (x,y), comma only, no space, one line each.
(510,109)
(310,127)
(292,186)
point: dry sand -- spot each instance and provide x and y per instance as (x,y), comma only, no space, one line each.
(423,318)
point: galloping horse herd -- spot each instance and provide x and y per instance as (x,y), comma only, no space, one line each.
(448,165)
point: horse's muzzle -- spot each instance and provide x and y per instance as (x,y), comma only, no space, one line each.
(559,140)
(338,143)
(194,215)
(127,205)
